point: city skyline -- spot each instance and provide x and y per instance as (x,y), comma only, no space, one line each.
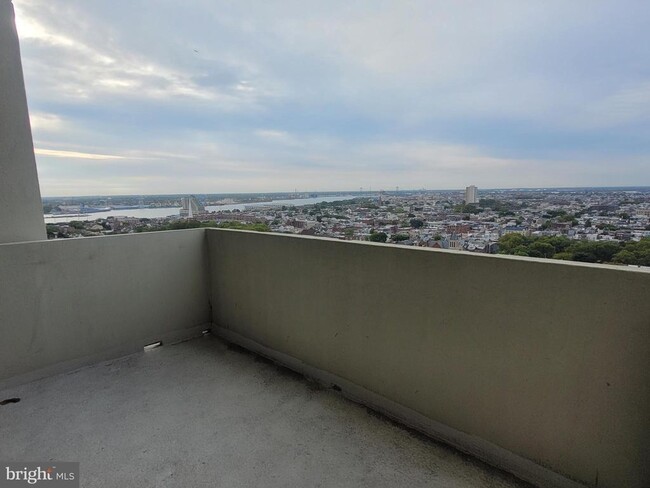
(218,98)
(353,192)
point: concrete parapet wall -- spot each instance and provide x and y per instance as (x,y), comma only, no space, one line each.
(539,367)
(518,359)
(21,210)
(65,303)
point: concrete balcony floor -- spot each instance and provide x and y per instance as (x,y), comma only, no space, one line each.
(203,413)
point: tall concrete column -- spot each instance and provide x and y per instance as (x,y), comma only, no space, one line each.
(21,210)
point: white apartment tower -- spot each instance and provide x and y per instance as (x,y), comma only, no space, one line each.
(471,194)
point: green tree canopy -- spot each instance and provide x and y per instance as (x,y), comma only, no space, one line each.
(378,237)
(399,237)
(560,247)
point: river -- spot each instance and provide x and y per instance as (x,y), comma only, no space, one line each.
(152,213)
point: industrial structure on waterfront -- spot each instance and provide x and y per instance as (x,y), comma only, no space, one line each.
(191,207)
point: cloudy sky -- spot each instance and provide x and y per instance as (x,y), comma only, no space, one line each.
(211,96)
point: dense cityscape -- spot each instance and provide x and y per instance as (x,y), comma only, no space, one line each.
(581,224)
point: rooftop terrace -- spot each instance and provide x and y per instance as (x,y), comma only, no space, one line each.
(536,367)
(202,413)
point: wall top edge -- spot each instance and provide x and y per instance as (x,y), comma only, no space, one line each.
(151,235)
(550,262)
(386,246)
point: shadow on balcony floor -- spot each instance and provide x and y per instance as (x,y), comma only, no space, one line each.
(202,413)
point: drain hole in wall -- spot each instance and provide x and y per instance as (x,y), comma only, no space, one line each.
(9,400)
(336,388)
(153,345)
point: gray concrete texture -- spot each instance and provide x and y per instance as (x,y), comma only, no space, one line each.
(548,360)
(199,414)
(69,302)
(544,360)
(21,211)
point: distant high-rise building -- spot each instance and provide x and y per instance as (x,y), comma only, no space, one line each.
(190,207)
(471,194)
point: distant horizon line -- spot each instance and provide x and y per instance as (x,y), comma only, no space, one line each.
(355,192)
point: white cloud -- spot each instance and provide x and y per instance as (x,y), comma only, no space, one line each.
(627,105)
(73,154)
(259,96)
(83,67)
(421,155)
(45,122)
(276,136)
